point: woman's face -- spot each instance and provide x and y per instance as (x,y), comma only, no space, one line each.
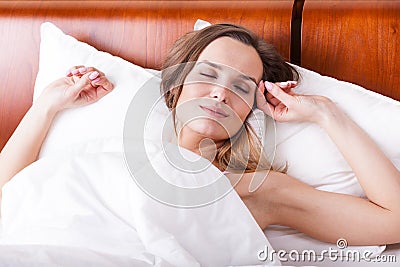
(218,93)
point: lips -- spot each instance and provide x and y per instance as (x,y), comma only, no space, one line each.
(214,111)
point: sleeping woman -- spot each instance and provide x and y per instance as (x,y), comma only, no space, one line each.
(234,72)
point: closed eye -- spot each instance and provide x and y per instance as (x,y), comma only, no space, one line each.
(241,89)
(208,75)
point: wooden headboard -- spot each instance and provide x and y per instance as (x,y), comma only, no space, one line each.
(354,42)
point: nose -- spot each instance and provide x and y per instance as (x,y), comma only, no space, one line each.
(219,93)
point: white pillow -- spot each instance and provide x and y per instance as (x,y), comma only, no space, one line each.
(96,127)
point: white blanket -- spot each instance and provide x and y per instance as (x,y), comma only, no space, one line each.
(72,209)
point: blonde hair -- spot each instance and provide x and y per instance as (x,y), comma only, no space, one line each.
(244,151)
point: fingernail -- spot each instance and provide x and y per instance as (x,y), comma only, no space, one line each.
(282,84)
(93,75)
(82,70)
(68,73)
(293,82)
(75,71)
(96,80)
(268,85)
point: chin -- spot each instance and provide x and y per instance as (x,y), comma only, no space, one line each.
(209,129)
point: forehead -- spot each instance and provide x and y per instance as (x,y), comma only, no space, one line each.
(235,54)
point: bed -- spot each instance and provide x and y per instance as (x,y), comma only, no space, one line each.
(354,41)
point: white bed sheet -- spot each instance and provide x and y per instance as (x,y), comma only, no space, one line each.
(89,206)
(93,193)
(56,256)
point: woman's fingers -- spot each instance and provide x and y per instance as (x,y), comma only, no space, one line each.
(94,78)
(98,79)
(76,70)
(101,82)
(278,93)
(91,87)
(81,70)
(83,83)
(286,87)
(272,99)
(262,103)
(74,91)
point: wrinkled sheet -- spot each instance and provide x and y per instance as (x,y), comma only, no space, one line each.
(69,210)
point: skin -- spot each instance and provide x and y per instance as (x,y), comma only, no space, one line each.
(280,199)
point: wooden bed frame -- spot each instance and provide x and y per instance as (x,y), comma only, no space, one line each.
(357,41)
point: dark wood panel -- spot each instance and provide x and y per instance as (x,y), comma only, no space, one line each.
(139,31)
(356,41)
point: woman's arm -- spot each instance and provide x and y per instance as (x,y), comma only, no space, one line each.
(322,215)
(74,90)
(329,216)
(23,146)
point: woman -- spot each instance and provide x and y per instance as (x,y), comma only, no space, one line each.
(233,72)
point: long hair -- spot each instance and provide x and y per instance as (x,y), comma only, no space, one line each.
(244,150)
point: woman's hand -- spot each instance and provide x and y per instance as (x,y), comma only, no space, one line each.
(80,87)
(289,107)
(72,91)
(286,87)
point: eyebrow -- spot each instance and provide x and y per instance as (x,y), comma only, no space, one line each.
(248,78)
(217,66)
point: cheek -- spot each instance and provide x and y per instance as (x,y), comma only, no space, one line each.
(190,91)
(242,107)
